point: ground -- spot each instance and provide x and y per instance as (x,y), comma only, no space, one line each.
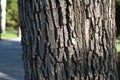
(11,67)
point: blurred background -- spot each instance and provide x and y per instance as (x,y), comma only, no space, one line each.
(118,35)
(10,21)
(11,67)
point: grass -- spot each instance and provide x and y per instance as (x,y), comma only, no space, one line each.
(118,47)
(9,35)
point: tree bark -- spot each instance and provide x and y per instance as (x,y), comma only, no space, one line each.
(68,39)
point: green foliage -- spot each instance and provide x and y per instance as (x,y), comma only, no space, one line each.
(9,35)
(118,47)
(12,19)
(118,18)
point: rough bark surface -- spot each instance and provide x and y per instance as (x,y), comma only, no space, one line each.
(68,39)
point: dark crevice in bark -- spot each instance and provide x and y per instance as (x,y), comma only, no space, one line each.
(46,27)
(67,63)
(55,27)
(68,17)
(60,16)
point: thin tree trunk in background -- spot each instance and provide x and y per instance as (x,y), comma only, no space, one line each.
(0,22)
(3,16)
(19,32)
(68,39)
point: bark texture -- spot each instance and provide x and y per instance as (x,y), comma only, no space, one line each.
(68,39)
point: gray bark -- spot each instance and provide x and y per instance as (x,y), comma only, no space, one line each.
(68,39)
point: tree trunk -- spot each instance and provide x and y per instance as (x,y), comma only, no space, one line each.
(68,39)
(3,15)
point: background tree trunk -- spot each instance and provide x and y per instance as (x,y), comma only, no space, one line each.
(68,39)
(3,15)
